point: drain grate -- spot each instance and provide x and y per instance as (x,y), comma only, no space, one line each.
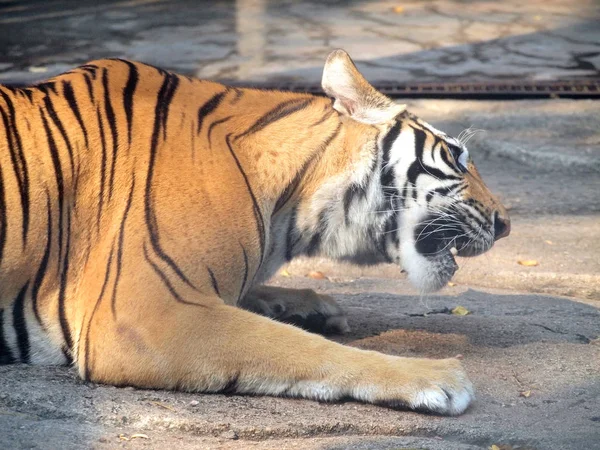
(505,90)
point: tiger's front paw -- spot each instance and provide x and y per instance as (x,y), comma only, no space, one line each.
(436,386)
(303,307)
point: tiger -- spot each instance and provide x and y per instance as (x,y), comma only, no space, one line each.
(142,213)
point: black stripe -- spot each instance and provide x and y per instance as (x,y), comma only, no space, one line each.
(279,112)
(90,89)
(113,302)
(324,118)
(20,325)
(315,241)
(62,293)
(260,223)
(355,190)
(238,95)
(450,163)
(444,191)
(165,96)
(39,276)
(6,356)
(290,189)
(290,237)
(102,168)
(213,125)
(213,280)
(166,281)
(128,95)
(59,180)
(208,108)
(18,160)
(72,101)
(245,277)
(387,173)
(90,69)
(58,123)
(231,386)
(87,369)
(3,215)
(47,87)
(27,93)
(112,124)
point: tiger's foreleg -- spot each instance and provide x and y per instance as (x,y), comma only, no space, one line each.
(214,347)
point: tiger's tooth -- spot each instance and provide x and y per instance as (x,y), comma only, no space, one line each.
(453,251)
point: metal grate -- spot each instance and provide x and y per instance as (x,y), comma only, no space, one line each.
(509,90)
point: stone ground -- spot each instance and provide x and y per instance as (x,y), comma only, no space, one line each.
(530,342)
(287,40)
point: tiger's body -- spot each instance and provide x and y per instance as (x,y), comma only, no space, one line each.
(139,209)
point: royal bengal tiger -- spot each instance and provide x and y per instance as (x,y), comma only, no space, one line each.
(140,211)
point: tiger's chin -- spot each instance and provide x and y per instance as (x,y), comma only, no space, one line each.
(429,273)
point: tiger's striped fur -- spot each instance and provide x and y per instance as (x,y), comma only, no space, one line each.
(139,207)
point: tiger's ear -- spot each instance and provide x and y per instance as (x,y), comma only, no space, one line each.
(353,95)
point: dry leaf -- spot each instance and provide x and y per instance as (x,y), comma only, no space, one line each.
(398,9)
(122,437)
(451,284)
(528,262)
(549,242)
(316,275)
(494,447)
(285,273)
(162,405)
(139,436)
(460,311)
(525,394)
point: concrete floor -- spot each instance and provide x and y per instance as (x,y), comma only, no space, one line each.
(261,40)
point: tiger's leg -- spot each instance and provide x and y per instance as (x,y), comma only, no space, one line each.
(213,347)
(301,307)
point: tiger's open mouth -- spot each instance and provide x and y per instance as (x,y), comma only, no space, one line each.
(440,235)
(437,241)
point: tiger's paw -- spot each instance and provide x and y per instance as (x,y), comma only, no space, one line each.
(303,308)
(433,386)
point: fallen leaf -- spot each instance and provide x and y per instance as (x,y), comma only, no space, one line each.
(398,9)
(451,284)
(285,273)
(162,405)
(494,447)
(139,436)
(528,262)
(549,242)
(525,394)
(460,311)
(316,275)
(122,437)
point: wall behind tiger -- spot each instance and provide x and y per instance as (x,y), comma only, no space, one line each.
(541,157)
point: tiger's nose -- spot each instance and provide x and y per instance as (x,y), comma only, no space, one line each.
(501,226)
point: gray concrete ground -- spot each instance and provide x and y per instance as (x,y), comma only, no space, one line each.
(530,342)
(261,40)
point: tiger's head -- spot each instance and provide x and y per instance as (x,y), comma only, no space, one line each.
(421,201)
